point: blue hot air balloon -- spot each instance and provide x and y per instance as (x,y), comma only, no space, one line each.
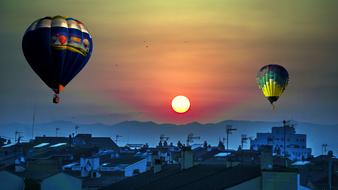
(57,48)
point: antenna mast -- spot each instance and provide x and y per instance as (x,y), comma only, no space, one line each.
(324,148)
(18,136)
(163,138)
(56,131)
(117,138)
(76,129)
(33,123)
(229,130)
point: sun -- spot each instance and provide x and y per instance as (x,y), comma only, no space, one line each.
(180,104)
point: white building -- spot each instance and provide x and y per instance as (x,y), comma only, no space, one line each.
(92,166)
(295,144)
(129,166)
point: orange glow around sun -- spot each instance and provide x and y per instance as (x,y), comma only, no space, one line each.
(180,104)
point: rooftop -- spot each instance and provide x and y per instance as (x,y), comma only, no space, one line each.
(197,177)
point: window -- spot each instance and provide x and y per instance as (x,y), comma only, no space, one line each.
(136,171)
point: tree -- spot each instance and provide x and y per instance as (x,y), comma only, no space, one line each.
(165,144)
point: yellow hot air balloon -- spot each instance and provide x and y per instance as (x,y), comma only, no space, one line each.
(272,80)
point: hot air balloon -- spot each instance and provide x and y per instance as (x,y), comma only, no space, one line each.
(57,48)
(272,80)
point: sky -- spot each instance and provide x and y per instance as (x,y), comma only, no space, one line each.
(147,52)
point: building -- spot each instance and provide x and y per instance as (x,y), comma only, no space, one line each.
(2,141)
(284,141)
(216,177)
(102,143)
(320,172)
(93,166)
(191,176)
(10,181)
(197,177)
(61,181)
(167,154)
(38,177)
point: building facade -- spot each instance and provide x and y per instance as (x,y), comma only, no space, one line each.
(284,141)
(9,181)
(61,181)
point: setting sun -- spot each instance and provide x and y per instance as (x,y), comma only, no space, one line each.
(180,104)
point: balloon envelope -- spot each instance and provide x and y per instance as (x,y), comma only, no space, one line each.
(272,80)
(57,48)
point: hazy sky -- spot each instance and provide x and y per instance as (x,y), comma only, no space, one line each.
(148,51)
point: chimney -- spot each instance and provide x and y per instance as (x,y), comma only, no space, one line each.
(186,158)
(266,157)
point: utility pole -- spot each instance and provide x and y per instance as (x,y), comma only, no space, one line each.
(284,146)
(287,124)
(76,129)
(229,130)
(33,124)
(330,173)
(284,137)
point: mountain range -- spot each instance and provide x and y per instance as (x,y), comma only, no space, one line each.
(149,132)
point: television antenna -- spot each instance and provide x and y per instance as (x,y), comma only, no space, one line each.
(163,138)
(117,137)
(324,148)
(244,140)
(18,136)
(191,138)
(229,131)
(56,131)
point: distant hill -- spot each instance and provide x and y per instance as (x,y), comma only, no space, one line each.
(149,132)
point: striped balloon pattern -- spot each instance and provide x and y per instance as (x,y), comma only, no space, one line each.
(272,80)
(57,48)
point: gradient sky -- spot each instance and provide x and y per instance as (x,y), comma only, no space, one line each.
(148,51)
